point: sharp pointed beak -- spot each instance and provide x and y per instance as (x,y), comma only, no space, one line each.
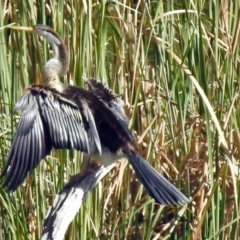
(26,29)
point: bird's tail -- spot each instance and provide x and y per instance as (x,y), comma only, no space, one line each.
(157,186)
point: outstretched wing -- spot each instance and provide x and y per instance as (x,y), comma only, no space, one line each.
(47,121)
(111,103)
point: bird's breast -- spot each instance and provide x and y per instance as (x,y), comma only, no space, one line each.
(107,157)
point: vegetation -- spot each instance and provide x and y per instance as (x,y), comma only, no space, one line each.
(175,64)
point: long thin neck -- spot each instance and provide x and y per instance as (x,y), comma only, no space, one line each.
(57,66)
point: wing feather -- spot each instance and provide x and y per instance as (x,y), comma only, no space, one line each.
(111,103)
(47,121)
(93,133)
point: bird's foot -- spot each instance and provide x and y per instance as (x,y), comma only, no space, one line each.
(91,167)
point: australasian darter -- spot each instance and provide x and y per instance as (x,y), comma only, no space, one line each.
(56,115)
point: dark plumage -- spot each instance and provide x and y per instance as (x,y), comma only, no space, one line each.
(59,116)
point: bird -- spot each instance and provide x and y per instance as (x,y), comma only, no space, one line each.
(63,116)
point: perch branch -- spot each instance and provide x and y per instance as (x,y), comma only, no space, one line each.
(68,201)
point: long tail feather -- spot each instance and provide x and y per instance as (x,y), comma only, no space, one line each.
(157,186)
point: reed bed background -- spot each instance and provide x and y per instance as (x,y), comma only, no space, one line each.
(175,64)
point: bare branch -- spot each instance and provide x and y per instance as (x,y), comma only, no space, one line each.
(69,201)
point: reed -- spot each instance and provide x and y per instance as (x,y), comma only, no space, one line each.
(175,64)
